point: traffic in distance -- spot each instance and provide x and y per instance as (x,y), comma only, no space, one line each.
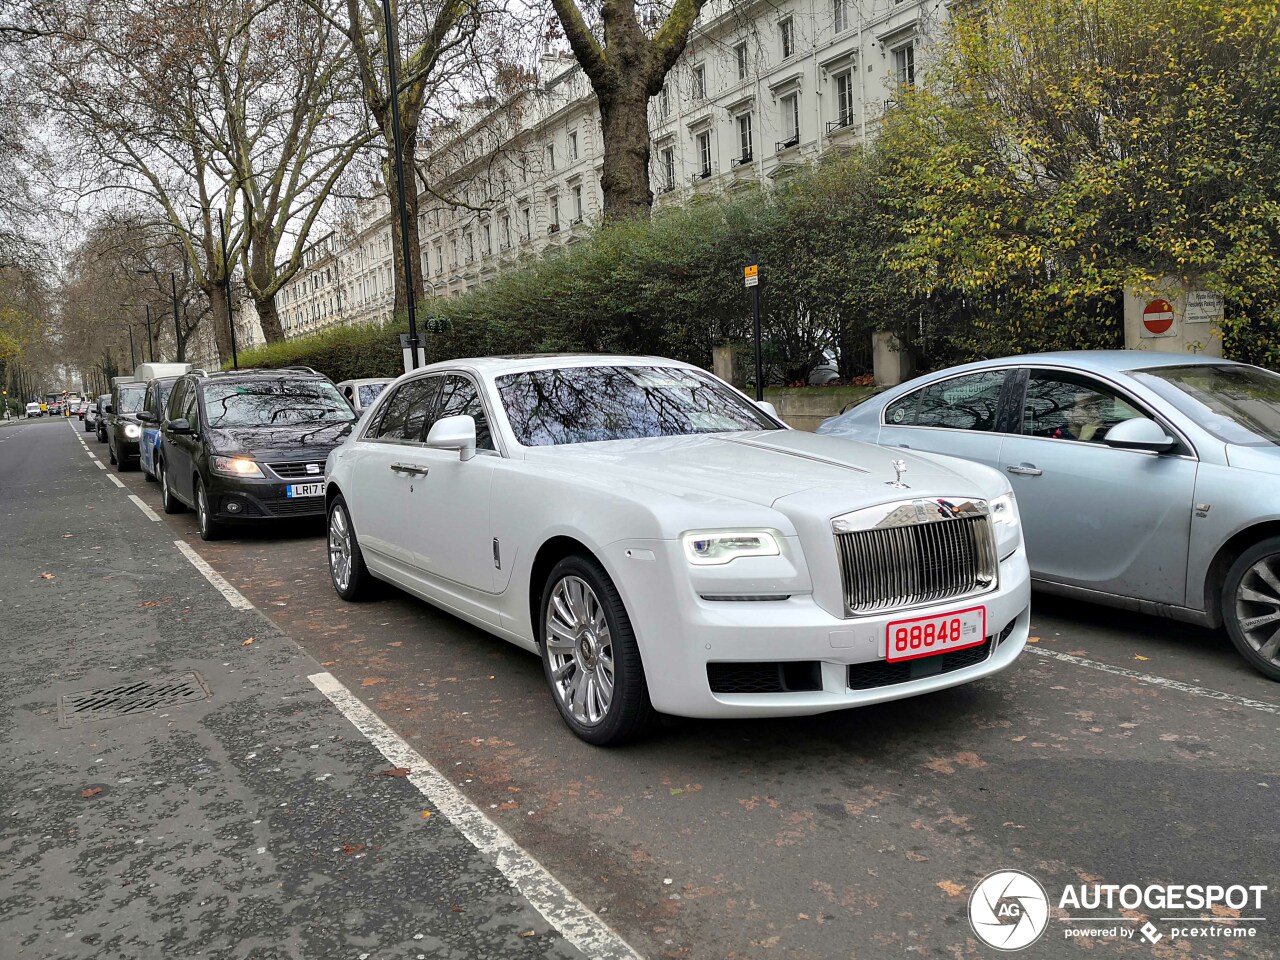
(668,546)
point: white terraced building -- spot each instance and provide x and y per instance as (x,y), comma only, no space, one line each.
(763,88)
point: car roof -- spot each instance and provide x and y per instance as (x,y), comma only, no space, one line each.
(1103,361)
(520,363)
(363,381)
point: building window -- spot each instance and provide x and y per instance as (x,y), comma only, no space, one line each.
(526,214)
(551,156)
(664,102)
(553,209)
(744,138)
(669,169)
(844,98)
(506,231)
(486,233)
(700,82)
(904,65)
(840,14)
(573,145)
(740,53)
(787,34)
(704,154)
(439,259)
(577,204)
(470,241)
(790,120)
(453,249)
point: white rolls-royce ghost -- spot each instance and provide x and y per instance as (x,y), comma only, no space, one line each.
(669,546)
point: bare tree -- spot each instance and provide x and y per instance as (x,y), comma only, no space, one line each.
(627,58)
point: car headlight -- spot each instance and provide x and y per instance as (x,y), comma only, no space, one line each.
(132,431)
(235,467)
(1006,522)
(708,547)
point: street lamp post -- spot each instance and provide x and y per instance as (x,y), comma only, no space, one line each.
(151,344)
(133,357)
(393,56)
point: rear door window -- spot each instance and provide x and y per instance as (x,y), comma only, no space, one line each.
(967,402)
(404,415)
(459,397)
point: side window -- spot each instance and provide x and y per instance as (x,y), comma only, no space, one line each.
(1066,406)
(458,397)
(969,402)
(152,403)
(175,400)
(191,408)
(405,412)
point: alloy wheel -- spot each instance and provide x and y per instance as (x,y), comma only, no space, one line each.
(1258,607)
(339,548)
(202,508)
(580,649)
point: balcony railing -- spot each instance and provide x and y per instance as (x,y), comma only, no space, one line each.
(703,174)
(788,143)
(839,124)
(743,160)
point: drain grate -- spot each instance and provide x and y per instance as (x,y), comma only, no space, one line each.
(130,697)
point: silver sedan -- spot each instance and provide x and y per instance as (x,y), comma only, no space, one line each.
(1146,481)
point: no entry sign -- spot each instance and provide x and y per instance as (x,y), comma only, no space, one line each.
(1157,318)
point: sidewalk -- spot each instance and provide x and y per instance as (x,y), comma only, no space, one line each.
(255,821)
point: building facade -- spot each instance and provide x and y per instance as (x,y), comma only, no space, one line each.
(763,88)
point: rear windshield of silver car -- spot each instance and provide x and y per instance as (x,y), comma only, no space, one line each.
(1236,403)
(267,403)
(588,404)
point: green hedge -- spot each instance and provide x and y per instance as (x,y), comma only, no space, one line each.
(340,353)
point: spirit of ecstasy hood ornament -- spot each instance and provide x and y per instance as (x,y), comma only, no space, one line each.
(899,467)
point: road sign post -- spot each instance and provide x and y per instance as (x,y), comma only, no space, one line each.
(751,279)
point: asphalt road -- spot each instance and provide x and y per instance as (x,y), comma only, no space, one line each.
(1119,749)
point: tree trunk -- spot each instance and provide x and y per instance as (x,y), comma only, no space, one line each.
(409,147)
(221,320)
(269,318)
(624,121)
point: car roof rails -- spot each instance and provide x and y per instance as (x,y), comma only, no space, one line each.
(303,369)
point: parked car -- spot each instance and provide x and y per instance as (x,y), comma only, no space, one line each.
(33,410)
(1147,481)
(90,417)
(82,409)
(249,445)
(667,545)
(151,416)
(361,393)
(100,406)
(124,429)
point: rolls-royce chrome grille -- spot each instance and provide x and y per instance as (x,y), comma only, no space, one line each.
(914,552)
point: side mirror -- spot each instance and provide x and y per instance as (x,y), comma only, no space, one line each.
(107,408)
(768,408)
(146,416)
(1139,433)
(178,427)
(454,433)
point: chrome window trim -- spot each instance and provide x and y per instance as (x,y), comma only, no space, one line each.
(441,372)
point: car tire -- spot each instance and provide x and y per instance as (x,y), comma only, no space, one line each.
(210,529)
(353,583)
(168,502)
(592,665)
(111,452)
(1251,606)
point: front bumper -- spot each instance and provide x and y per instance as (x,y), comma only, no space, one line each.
(238,499)
(800,658)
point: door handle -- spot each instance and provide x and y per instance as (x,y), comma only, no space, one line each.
(904,446)
(1025,470)
(409,468)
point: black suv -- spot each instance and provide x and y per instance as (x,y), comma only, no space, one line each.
(100,422)
(123,427)
(249,445)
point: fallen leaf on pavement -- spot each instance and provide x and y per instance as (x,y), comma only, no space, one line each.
(68,536)
(90,792)
(425,814)
(396,772)
(247,642)
(372,681)
(1033,639)
(46,576)
(1138,656)
(350,848)
(456,909)
(527,934)
(149,603)
(951,888)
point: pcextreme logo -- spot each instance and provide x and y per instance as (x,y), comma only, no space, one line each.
(1009,910)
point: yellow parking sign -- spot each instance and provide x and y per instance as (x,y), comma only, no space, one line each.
(751,275)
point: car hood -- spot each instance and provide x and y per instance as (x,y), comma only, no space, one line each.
(765,467)
(1263,459)
(274,444)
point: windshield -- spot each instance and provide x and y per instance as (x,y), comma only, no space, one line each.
(268,403)
(1236,403)
(131,398)
(585,404)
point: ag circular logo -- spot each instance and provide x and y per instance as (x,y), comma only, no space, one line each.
(1009,910)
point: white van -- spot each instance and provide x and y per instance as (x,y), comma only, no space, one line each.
(153,371)
(33,410)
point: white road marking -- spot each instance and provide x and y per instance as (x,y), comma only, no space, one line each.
(1159,681)
(114,479)
(562,909)
(99,464)
(234,596)
(137,502)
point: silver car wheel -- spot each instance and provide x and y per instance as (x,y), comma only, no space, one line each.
(1258,607)
(339,548)
(202,508)
(580,650)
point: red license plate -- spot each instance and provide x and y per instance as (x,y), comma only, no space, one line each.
(926,636)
